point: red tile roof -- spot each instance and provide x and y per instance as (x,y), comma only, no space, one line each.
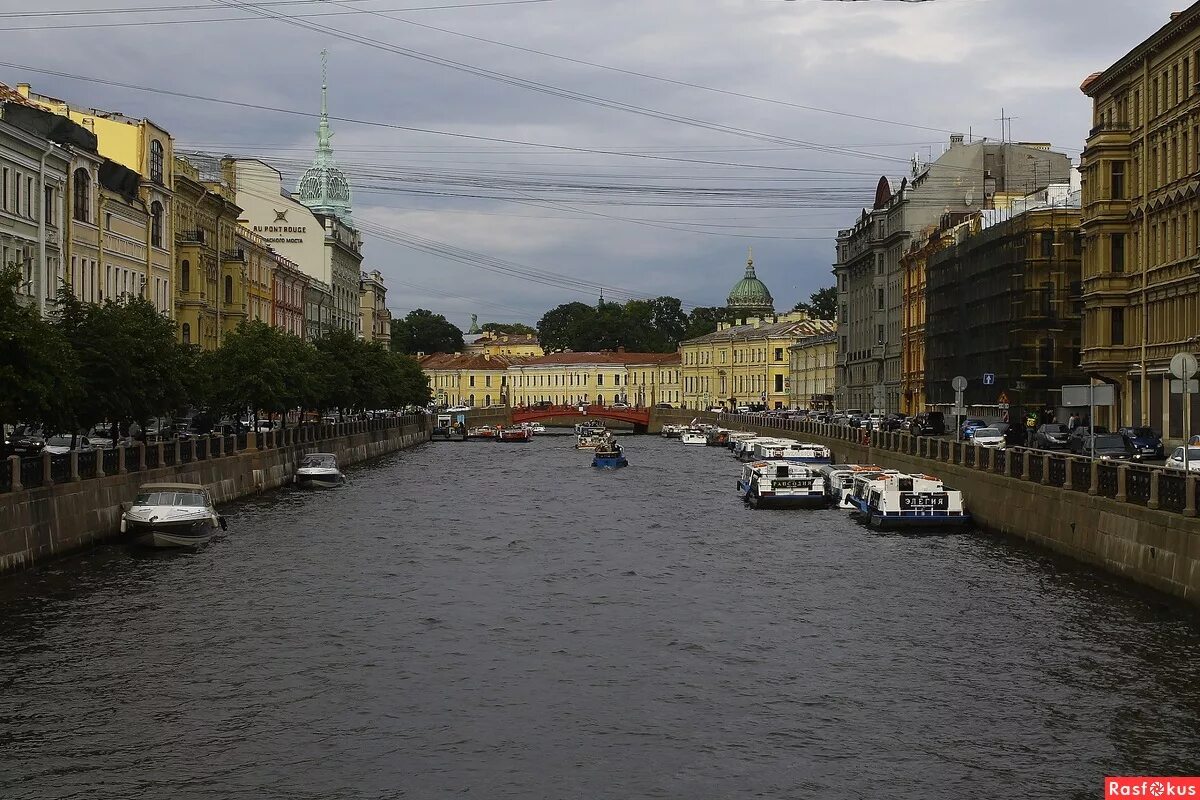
(10,95)
(467,361)
(603,357)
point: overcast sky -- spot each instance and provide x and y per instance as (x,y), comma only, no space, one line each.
(642,217)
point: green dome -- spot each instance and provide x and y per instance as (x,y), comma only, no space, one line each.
(750,294)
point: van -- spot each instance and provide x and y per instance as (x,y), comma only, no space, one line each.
(928,423)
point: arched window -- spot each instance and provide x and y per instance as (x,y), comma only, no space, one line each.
(472,401)
(185,276)
(228,288)
(82,196)
(187,333)
(156,161)
(487,399)
(156,224)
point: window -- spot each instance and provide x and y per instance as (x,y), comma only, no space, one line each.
(1078,244)
(185,277)
(1116,321)
(779,354)
(156,224)
(4,190)
(1117,252)
(778,383)
(156,161)
(880,334)
(29,197)
(600,379)
(48,208)
(187,333)
(1047,244)
(16,207)
(228,288)
(472,381)
(1118,180)
(879,298)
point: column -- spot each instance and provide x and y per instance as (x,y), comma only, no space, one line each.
(1095,481)
(122,469)
(46,479)
(1122,496)
(1154,476)
(1189,502)
(14,467)
(74,465)
(1046,469)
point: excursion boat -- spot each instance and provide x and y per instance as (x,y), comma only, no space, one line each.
(807,453)
(736,438)
(318,470)
(693,437)
(514,433)
(776,483)
(608,455)
(839,480)
(744,449)
(482,432)
(896,500)
(717,437)
(590,441)
(589,428)
(171,515)
(671,431)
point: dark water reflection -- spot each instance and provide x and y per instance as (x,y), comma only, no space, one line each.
(503,622)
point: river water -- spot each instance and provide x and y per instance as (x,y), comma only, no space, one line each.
(502,621)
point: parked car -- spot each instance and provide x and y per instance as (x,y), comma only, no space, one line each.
(874,422)
(663,405)
(619,405)
(894,422)
(1108,447)
(27,440)
(988,437)
(458,409)
(1051,436)
(1176,459)
(1075,437)
(1145,441)
(970,425)
(64,443)
(928,423)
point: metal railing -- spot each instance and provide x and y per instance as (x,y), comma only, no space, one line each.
(111,461)
(1058,471)
(1106,480)
(152,456)
(1000,461)
(87,463)
(1172,491)
(60,467)
(1081,474)
(31,471)
(1137,485)
(1035,467)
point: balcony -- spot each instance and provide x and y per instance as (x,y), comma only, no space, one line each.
(234,255)
(196,237)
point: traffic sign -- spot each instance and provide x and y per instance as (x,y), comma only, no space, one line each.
(989,379)
(1193,386)
(959,383)
(1003,400)
(958,411)
(1183,365)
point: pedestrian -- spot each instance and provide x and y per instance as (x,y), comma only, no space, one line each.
(1072,421)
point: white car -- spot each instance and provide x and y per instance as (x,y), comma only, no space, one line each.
(453,409)
(619,405)
(1176,459)
(58,445)
(988,437)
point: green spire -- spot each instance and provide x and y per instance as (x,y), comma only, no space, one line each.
(324,187)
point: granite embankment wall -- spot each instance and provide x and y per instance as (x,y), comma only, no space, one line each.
(1136,522)
(72,513)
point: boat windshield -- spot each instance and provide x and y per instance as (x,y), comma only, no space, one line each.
(189,499)
(319,461)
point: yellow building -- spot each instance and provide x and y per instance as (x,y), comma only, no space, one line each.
(148,150)
(122,235)
(211,299)
(465,379)
(376,323)
(1141,225)
(745,365)
(261,263)
(518,345)
(602,378)
(812,368)
(913,266)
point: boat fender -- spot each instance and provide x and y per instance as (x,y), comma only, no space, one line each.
(122,523)
(222,523)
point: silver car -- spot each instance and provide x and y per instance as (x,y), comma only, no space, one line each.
(1176,459)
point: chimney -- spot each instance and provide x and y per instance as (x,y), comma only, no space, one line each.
(956,139)
(1175,14)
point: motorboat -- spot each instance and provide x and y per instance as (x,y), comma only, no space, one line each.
(840,481)
(590,441)
(743,449)
(671,431)
(896,500)
(482,432)
(691,436)
(608,455)
(318,470)
(776,483)
(171,515)
(536,427)
(717,437)
(514,433)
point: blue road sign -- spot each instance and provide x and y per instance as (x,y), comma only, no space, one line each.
(989,378)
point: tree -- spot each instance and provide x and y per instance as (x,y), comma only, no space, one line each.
(38,370)
(703,320)
(422,331)
(822,304)
(567,327)
(511,328)
(251,370)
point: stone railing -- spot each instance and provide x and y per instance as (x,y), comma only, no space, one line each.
(31,472)
(1136,484)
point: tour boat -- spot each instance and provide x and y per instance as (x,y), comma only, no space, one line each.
(589,428)
(744,449)
(895,500)
(318,470)
(589,441)
(776,483)
(171,515)
(608,455)
(807,453)
(736,438)
(840,481)
(693,437)
(514,433)
(482,432)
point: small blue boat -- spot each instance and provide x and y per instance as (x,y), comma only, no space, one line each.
(608,455)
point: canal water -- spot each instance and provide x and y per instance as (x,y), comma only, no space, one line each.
(501,621)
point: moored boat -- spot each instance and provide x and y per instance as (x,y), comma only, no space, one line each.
(589,441)
(482,432)
(717,437)
(318,470)
(807,453)
(514,433)
(896,500)
(672,431)
(171,515)
(608,455)
(590,428)
(840,481)
(776,483)
(691,436)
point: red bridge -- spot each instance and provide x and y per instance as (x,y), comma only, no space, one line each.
(635,416)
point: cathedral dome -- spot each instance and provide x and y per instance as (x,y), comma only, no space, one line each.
(750,295)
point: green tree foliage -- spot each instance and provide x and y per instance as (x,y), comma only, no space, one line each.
(38,369)
(822,304)
(654,326)
(704,320)
(422,331)
(512,328)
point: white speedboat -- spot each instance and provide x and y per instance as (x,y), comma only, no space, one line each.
(693,437)
(840,481)
(776,483)
(171,515)
(319,471)
(671,431)
(897,500)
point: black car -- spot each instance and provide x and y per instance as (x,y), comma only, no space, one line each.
(27,440)
(928,423)
(894,422)
(1079,433)
(1051,436)
(1146,442)
(1108,447)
